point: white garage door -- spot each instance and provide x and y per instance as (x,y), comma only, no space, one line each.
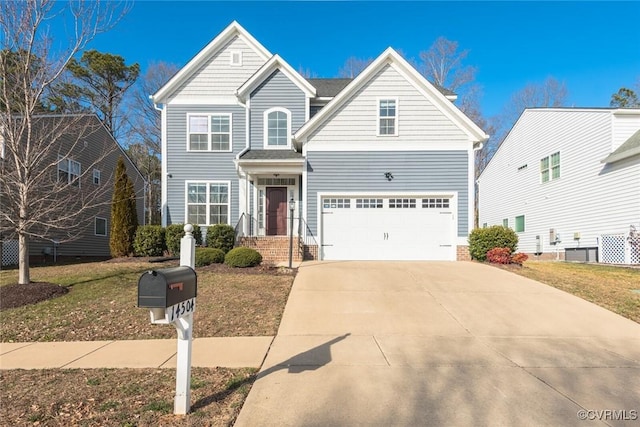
(388,228)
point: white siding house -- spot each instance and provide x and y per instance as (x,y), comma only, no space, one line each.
(558,171)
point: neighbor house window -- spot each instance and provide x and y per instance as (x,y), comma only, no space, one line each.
(68,171)
(209,132)
(388,117)
(519,224)
(505,222)
(100,226)
(277,127)
(550,167)
(207,203)
(96,176)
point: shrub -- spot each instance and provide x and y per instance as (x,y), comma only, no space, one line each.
(149,241)
(519,258)
(482,240)
(197,234)
(499,255)
(206,256)
(124,216)
(243,257)
(221,236)
(173,234)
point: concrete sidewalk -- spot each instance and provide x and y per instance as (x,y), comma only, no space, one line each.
(233,352)
(443,344)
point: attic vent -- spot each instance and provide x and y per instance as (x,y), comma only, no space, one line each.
(236,57)
(523,167)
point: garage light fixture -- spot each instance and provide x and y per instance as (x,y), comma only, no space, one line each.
(389,176)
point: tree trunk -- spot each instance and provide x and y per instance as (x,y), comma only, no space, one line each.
(23,270)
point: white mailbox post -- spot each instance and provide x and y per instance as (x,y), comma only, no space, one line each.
(170,296)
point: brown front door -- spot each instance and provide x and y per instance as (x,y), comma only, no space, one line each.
(276,211)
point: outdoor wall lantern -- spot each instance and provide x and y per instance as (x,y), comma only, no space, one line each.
(389,176)
(292,207)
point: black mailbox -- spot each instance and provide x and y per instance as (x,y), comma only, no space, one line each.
(167,287)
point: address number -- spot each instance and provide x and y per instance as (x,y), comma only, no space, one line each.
(181,309)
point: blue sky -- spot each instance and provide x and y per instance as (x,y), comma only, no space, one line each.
(594,47)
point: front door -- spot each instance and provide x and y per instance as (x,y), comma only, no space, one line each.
(276,211)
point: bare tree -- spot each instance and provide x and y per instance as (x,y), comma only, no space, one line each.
(549,93)
(443,65)
(146,127)
(30,188)
(353,66)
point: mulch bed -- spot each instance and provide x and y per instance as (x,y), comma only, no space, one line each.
(12,296)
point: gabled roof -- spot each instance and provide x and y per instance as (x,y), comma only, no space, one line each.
(630,147)
(391,57)
(234,29)
(328,88)
(273,64)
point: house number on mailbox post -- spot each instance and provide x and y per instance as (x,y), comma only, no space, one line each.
(170,295)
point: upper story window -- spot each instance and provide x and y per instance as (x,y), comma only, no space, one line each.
(209,132)
(277,128)
(387,117)
(236,58)
(550,167)
(69,171)
(96,176)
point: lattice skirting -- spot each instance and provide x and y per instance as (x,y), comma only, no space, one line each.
(9,252)
(619,249)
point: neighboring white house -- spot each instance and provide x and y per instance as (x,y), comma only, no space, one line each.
(567,178)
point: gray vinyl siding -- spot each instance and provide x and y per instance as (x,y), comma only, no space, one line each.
(202,165)
(276,91)
(413,171)
(100,152)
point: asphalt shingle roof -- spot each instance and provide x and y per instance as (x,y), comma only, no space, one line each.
(629,148)
(271,155)
(329,87)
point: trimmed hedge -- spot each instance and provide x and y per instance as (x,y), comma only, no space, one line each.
(175,232)
(243,257)
(221,236)
(149,241)
(206,256)
(482,240)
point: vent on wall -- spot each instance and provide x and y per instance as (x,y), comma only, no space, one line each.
(523,167)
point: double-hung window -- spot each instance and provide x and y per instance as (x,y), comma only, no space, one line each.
(277,128)
(69,171)
(209,132)
(550,167)
(208,203)
(388,117)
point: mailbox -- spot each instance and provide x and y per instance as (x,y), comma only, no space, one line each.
(167,287)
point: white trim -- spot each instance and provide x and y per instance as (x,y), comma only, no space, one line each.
(391,57)
(265,129)
(210,132)
(234,29)
(471,192)
(396,118)
(276,63)
(453,205)
(204,100)
(95,226)
(208,201)
(164,177)
(386,145)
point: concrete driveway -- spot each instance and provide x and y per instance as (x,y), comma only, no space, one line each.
(429,343)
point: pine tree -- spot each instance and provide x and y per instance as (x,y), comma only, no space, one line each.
(124,218)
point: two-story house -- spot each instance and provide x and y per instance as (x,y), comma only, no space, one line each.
(74,174)
(376,167)
(567,180)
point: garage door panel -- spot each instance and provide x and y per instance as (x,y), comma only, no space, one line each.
(405,231)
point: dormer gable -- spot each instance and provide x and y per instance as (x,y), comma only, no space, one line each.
(275,63)
(234,53)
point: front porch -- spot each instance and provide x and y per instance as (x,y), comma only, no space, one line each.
(271,194)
